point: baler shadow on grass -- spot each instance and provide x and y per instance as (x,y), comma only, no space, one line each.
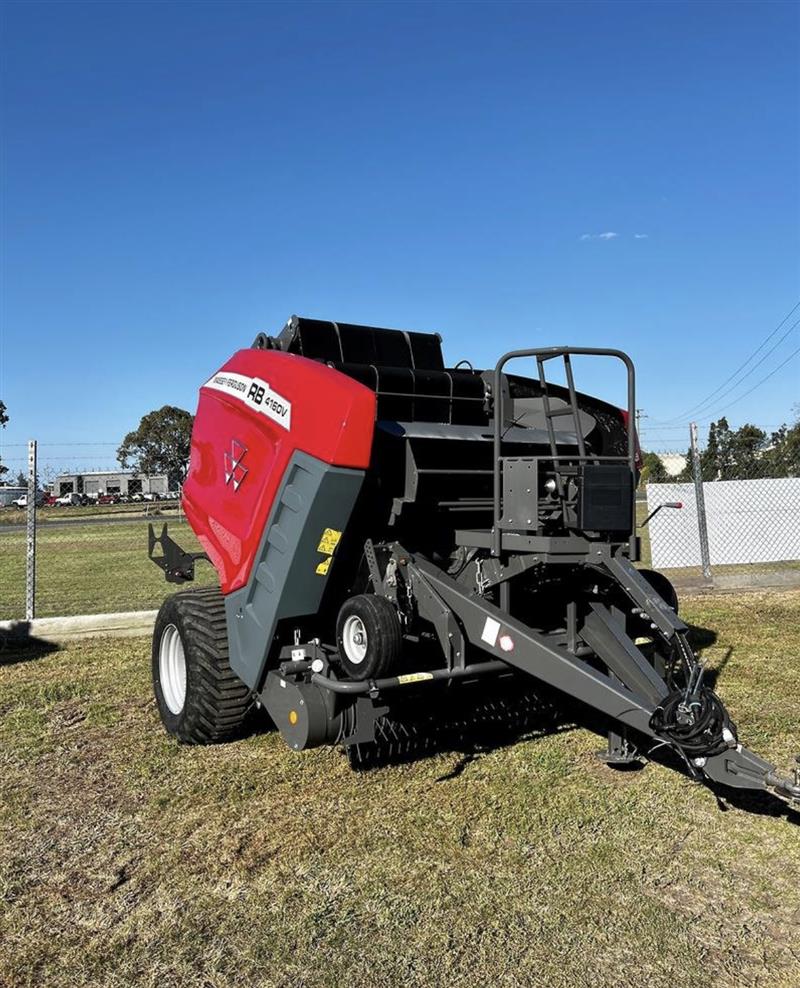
(520,712)
(517,715)
(17,644)
(128,859)
(546,713)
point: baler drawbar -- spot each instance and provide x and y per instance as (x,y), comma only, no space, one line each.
(399,543)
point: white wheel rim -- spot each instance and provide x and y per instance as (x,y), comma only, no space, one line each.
(172,669)
(354,639)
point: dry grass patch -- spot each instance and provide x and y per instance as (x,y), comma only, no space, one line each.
(126,859)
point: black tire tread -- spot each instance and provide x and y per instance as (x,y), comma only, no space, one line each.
(217,701)
(383,631)
(662,586)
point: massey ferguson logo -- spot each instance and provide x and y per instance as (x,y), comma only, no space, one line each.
(234,471)
(256,394)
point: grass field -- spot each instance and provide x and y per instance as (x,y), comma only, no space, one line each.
(10,515)
(90,569)
(128,860)
(99,567)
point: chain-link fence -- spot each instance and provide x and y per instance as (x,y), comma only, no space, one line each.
(90,563)
(12,573)
(738,523)
(91,522)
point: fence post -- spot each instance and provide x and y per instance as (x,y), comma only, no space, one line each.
(30,571)
(702,522)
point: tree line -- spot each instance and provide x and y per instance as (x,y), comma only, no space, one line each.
(746,453)
(159,445)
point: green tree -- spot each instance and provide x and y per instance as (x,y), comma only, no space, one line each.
(715,459)
(160,444)
(710,460)
(3,420)
(22,480)
(747,446)
(653,469)
(783,453)
(740,454)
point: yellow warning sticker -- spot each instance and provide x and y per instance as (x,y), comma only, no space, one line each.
(329,541)
(414,677)
(324,566)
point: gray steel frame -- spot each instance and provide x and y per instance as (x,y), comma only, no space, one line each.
(542,355)
(619,695)
(628,694)
(633,687)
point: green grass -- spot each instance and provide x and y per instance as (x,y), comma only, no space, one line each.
(98,568)
(10,515)
(126,859)
(89,569)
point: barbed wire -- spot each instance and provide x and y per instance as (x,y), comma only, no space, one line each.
(40,445)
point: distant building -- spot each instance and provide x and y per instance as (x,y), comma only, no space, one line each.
(674,463)
(9,494)
(110,482)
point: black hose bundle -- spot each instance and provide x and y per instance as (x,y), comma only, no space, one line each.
(697,723)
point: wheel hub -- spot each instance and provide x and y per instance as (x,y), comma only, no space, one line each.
(172,669)
(354,639)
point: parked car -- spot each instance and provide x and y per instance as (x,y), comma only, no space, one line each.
(69,500)
(22,501)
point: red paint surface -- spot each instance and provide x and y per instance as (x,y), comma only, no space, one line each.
(332,418)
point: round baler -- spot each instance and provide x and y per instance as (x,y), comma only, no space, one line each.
(408,552)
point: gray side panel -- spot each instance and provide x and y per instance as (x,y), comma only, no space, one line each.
(285,581)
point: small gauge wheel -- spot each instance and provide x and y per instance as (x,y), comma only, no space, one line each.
(369,636)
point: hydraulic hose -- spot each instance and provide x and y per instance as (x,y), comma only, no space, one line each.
(697,723)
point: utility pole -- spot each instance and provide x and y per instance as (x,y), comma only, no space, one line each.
(640,414)
(30,549)
(700,501)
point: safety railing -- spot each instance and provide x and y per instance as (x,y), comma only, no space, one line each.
(542,355)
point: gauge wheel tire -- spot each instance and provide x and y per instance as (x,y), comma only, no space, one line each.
(639,627)
(200,698)
(662,586)
(369,636)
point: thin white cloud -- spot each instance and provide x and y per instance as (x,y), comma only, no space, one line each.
(608,235)
(641,236)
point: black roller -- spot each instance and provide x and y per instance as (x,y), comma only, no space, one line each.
(472,719)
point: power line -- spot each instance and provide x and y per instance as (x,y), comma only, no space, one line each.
(705,410)
(658,431)
(708,399)
(24,445)
(774,371)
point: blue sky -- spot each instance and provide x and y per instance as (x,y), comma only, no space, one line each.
(178,177)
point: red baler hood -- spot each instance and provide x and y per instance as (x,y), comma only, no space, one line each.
(253,414)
